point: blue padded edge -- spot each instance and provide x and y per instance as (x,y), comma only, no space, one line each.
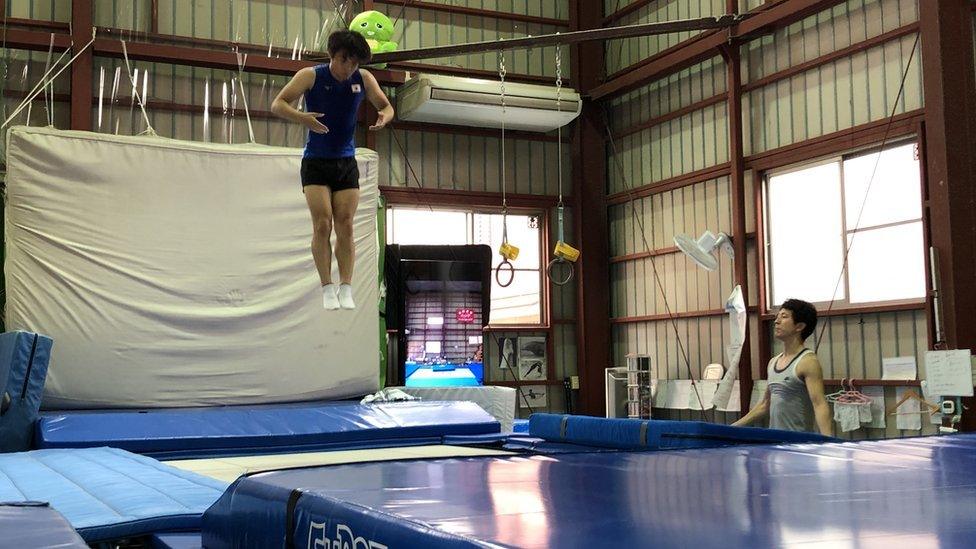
(653,434)
(106,493)
(520,426)
(589,500)
(347,522)
(321,447)
(36,524)
(252,513)
(525,443)
(249,429)
(24,358)
(470,440)
(181,540)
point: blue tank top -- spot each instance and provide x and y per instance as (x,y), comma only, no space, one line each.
(339,101)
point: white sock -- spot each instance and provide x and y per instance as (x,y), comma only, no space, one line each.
(345,297)
(330,301)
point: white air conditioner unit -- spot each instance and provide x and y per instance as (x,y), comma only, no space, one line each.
(475,102)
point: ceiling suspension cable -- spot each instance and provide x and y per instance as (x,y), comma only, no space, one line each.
(508,251)
(565,255)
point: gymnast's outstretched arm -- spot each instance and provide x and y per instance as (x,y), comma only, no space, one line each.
(293,90)
(379,100)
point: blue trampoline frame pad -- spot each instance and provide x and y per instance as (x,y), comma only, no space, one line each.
(893,493)
(655,434)
(107,493)
(243,430)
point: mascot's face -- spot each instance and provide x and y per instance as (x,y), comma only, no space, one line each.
(373,25)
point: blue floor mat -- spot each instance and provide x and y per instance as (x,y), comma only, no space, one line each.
(242,430)
(106,493)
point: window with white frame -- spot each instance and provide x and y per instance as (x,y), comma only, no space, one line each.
(518,303)
(867,206)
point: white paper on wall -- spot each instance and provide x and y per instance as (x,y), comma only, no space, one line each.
(909,413)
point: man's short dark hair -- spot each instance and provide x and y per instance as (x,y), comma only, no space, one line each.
(352,43)
(802,312)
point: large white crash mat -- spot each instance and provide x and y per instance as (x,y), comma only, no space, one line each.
(173,273)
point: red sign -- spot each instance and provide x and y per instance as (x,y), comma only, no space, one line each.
(464,316)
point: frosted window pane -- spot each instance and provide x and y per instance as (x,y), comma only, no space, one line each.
(424,226)
(806,235)
(895,195)
(519,302)
(887,264)
(488,230)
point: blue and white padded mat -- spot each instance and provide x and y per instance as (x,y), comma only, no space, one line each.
(106,493)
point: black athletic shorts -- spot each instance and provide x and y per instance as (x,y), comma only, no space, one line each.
(338,174)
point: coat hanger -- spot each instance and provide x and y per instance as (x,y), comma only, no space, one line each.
(853,396)
(912,395)
(832,397)
(848,394)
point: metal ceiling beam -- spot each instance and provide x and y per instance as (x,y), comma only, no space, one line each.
(217,59)
(35,40)
(573,37)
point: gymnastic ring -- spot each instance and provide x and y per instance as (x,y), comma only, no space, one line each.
(570,272)
(498,272)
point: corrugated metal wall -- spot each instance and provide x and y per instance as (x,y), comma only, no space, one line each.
(675,146)
(749,5)
(547,8)
(304,25)
(689,210)
(281,24)
(43,10)
(653,146)
(176,95)
(651,286)
(620,54)
(853,346)
(470,162)
(422,28)
(853,90)
(21,70)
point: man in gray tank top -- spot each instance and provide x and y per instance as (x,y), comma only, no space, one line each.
(794,400)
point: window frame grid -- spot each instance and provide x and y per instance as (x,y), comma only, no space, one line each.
(845,303)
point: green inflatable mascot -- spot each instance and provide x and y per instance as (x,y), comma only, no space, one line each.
(377,29)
